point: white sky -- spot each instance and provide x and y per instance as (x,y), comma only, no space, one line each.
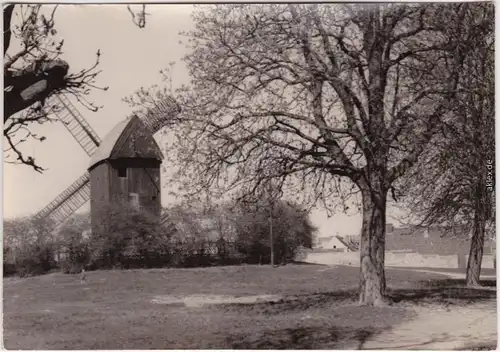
(131,58)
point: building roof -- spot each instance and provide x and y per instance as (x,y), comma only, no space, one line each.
(114,140)
(335,241)
(329,242)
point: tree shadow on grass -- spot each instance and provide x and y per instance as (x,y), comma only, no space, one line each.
(296,303)
(317,337)
(454,283)
(448,292)
(344,324)
(330,320)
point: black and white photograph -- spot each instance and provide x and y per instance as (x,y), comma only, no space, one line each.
(249,176)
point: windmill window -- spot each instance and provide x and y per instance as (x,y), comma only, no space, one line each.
(122,172)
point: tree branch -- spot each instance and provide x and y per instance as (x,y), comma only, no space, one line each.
(7,34)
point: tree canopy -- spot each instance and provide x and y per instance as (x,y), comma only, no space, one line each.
(323,100)
(453,182)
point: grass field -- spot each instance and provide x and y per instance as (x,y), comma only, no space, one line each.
(114,309)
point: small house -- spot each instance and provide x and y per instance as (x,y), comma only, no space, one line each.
(333,243)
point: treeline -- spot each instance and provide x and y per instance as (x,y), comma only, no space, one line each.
(222,234)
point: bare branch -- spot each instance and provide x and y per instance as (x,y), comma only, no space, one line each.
(139,18)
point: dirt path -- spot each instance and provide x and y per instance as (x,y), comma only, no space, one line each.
(440,328)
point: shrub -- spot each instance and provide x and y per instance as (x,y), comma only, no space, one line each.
(291,229)
(129,238)
(35,259)
(28,247)
(73,244)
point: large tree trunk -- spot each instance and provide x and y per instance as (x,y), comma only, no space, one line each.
(372,248)
(373,185)
(477,240)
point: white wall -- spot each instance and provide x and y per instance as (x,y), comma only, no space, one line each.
(333,258)
(392,259)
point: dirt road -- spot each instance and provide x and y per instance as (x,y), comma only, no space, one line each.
(441,328)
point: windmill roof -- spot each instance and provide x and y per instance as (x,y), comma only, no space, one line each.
(116,143)
(108,143)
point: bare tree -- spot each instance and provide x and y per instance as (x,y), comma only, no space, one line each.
(35,72)
(139,17)
(453,183)
(322,100)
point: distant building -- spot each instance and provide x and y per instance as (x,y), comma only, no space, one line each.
(125,169)
(334,243)
(321,242)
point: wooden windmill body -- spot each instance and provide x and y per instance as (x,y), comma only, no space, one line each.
(125,170)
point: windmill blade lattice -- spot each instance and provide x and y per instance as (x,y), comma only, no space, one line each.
(157,117)
(78,193)
(76,124)
(67,202)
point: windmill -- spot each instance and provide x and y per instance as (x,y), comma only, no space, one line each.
(78,193)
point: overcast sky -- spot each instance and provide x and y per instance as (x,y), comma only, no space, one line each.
(131,58)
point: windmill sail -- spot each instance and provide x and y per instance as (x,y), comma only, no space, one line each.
(78,193)
(75,123)
(69,201)
(157,117)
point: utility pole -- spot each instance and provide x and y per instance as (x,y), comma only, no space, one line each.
(270,200)
(271,235)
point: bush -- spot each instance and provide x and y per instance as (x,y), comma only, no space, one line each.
(35,260)
(28,247)
(291,230)
(73,245)
(301,253)
(129,238)
(231,233)
(69,267)
(9,269)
